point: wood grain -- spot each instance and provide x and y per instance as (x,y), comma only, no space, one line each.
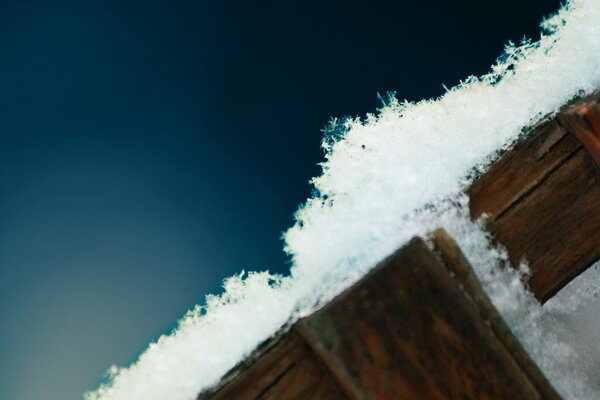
(521,170)
(540,202)
(406,331)
(284,368)
(461,270)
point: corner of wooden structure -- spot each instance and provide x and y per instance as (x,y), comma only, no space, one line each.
(418,325)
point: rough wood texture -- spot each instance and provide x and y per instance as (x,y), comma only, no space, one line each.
(405,331)
(284,369)
(540,200)
(583,120)
(463,273)
(521,170)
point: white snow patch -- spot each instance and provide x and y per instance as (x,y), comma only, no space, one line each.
(377,175)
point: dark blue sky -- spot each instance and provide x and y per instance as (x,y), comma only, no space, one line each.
(149,149)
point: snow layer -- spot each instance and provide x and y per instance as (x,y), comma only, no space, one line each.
(385,179)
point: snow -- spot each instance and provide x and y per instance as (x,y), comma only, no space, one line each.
(389,177)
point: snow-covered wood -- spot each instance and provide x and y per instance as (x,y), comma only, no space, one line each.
(540,202)
(413,328)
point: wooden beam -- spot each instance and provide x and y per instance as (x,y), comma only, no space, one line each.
(407,330)
(540,202)
(284,368)
(583,120)
(464,274)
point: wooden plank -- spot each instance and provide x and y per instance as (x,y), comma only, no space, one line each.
(283,368)
(419,326)
(463,273)
(583,120)
(521,170)
(540,201)
(556,229)
(406,331)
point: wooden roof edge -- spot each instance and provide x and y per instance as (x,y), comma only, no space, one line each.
(461,270)
(247,361)
(582,118)
(532,186)
(539,199)
(553,118)
(418,324)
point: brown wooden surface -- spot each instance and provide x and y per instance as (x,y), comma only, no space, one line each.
(521,170)
(405,331)
(583,120)
(285,369)
(541,202)
(456,262)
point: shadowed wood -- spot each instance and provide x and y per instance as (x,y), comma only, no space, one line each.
(463,273)
(406,331)
(583,120)
(540,202)
(284,368)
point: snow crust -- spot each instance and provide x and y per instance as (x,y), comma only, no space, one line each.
(389,177)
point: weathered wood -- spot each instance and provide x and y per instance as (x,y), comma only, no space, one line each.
(284,368)
(405,331)
(419,325)
(463,273)
(521,170)
(540,202)
(583,120)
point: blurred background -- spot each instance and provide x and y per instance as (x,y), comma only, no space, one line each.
(148,149)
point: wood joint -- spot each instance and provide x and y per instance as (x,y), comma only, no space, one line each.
(583,120)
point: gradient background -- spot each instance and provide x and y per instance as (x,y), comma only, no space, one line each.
(149,149)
